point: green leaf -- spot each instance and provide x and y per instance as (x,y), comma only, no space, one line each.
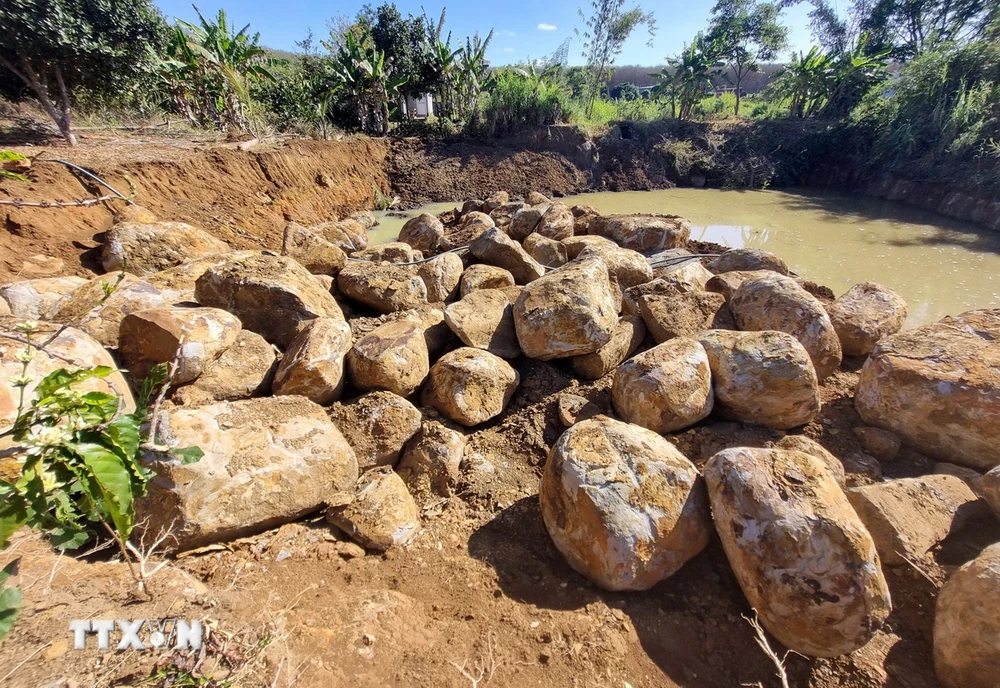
(10,599)
(18,177)
(124,433)
(11,155)
(188,454)
(13,515)
(114,481)
(61,378)
(156,377)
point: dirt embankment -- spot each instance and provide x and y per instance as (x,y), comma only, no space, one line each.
(242,197)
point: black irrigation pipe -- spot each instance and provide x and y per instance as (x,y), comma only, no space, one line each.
(665,262)
(94,177)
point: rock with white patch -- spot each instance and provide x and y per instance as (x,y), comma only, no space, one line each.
(470,386)
(382,515)
(313,365)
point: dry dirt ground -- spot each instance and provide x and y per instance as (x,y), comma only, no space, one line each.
(481,597)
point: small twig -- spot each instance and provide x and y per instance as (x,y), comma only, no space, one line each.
(154,421)
(919,570)
(485,669)
(779,662)
(78,203)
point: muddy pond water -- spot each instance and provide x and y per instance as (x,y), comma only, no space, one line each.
(940,266)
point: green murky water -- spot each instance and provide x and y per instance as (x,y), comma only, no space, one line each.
(940,266)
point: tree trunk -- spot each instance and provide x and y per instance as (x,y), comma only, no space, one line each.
(28,75)
(739,80)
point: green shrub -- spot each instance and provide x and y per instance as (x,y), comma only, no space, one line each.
(514,102)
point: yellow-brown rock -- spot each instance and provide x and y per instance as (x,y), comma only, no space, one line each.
(496,248)
(441,276)
(194,337)
(377,425)
(485,320)
(273,296)
(87,308)
(37,299)
(382,515)
(568,312)
(384,287)
(746,259)
(938,387)
(144,248)
(765,378)
(423,232)
(481,276)
(622,504)
(625,339)
(392,357)
(684,315)
(776,302)
(666,388)
(866,314)
(246,369)
(967,624)
(804,559)
(470,386)
(642,233)
(313,365)
(313,252)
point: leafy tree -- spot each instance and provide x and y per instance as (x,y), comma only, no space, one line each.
(55,46)
(211,69)
(361,72)
(689,75)
(747,33)
(402,40)
(604,34)
(625,91)
(806,80)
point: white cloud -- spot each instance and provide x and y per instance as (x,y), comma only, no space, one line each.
(546,27)
(508,50)
(506,33)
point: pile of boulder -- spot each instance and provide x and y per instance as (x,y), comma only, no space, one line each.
(341,376)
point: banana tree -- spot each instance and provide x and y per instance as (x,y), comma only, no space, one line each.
(807,80)
(472,69)
(688,76)
(361,71)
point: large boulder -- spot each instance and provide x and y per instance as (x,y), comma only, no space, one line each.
(423,232)
(481,276)
(146,247)
(801,443)
(726,283)
(626,268)
(313,252)
(485,320)
(384,287)
(657,287)
(266,462)
(938,387)
(765,378)
(525,221)
(570,311)
(549,252)
(556,222)
(382,513)
(470,386)
(685,277)
(776,302)
(684,315)
(576,244)
(622,504)
(244,370)
(431,461)
(866,314)
(392,357)
(908,517)
(625,339)
(100,315)
(642,233)
(36,299)
(313,365)
(177,283)
(377,425)
(804,559)
(273,296)
(389,252)
(441,276)
(194,337)
(73,348)
(967,624)
(666,388)
(349,235)
(496,248)
(746,259)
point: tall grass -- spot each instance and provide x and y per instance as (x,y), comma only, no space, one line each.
(515,102)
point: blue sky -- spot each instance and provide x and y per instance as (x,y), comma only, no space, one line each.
(523,28)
